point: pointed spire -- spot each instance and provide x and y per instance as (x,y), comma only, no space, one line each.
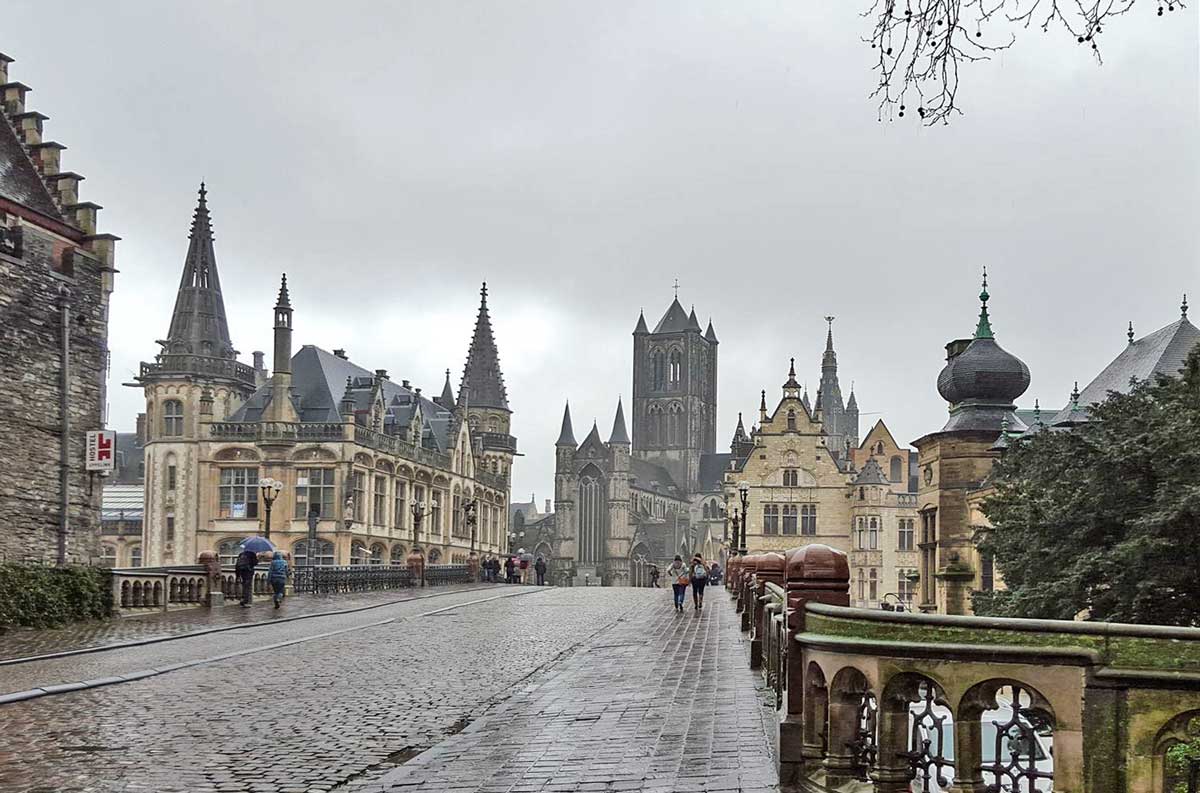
(1183,308)
(1129,333)
(983,330)
(347,405)
(198,323)
(711,334)
(829,335)
(1075,396)
(446,400)
(804,399)
(640,329)
(619,433)
(762,405)
(593,437)
(740,430)
(284,300)
(791,381)
(481,374)
(852,403)
(693,322)
(567,436)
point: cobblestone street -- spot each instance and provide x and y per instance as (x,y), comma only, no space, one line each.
(556,690)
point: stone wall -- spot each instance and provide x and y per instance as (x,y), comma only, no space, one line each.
(30,401)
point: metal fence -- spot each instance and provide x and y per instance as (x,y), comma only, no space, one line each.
(329,580)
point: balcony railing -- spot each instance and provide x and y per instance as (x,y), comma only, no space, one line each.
(394,445)
(274,431)
(187,363)
(498,441)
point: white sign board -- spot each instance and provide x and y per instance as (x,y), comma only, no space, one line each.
(101,451)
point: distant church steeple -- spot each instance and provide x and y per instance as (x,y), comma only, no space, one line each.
(481,374)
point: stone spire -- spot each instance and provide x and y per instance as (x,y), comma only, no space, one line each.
(1183,308)
(619,433)
(829,393)
(482,375)
(446,400)
(711,334)
(198,324)
(640,329)
(983,330)
(567,436)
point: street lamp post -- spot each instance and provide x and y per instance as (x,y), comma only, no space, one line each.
(733,541)
(744,491)
(418,512)
(468,508)
(270,491)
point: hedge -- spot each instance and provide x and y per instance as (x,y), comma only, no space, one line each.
(40,597)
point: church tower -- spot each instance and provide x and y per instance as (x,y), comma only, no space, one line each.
(839,421)
(675,393)
(196,372)
(484,398)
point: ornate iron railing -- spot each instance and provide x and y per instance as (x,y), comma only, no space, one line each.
(865,746)
(1016,749)
(928,741)
(330,580)
(447,574)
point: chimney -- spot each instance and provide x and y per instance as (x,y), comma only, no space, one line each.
(4,62)
(340,353)
(381,374)
(406,384)
(141,429)
(259,364)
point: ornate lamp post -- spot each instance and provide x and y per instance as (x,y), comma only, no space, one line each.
(270,491)
(416,562)
(468,509)
(744,491)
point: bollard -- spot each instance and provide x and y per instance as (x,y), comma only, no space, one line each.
(473,568)
(769,568)
(215,597)
(814,574)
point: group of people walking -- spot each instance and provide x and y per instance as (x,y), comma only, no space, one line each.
(277,575)
(516,570)
(696,573)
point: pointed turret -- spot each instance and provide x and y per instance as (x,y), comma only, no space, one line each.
(853,403)
(481,374)
(446,400)
(710,334)
(619,433)
(792,383)
(983,329)
(198,323)
(640,329)
(346,408)
(283,329)
(807,404)
(829,395)
(567,436)
(694,323)
(674,321)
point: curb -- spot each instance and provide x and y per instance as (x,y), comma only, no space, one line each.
(128,677)
(205,631)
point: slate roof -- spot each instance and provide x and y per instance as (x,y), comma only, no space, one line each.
(319,382)
(712,470)
(198,323)
(567,436)
(1162,352)
(122,502)
(20,181)
(619,433)
(871,474)
(482,379)
(651,477)
(674,321)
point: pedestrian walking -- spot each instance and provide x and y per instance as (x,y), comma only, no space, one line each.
(524,565)
(510,566)
(714,574)
(244,569)
(654,576)
(539,567)
(678,573)
(277,576)
(699,574)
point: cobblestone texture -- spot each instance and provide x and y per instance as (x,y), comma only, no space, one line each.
(655,702)
(24,643)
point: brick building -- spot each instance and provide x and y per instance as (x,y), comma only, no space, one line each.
(56,275)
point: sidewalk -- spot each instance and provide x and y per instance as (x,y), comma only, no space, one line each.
(148,627)
(658,703)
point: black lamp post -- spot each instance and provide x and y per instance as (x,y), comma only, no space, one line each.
(744,491)
(270,491)
(468,509)
(418,512)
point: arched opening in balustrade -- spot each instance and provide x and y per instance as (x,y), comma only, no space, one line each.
(398,554)
(156,593)
(916,733)
(1175,746)
(137,594)
(173,590)
(853,742)
(126,595)
(816,711)
(1016,729)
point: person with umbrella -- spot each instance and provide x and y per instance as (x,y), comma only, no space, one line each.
(246,562)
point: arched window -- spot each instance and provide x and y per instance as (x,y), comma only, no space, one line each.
(707,512)
(108,555)
(377,552)
(592,506)
(791,418)
(358,553)
(135,556)
(873,534)
(676,367)
(398,555)
(862,584)
(659,369)
(897,469)
(172,418)
(322,558)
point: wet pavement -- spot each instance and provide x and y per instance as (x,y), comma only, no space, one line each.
(25,643)
(561,689)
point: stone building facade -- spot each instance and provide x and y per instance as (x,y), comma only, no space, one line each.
(629,502)
(354,451)
(56,276)
(801,492)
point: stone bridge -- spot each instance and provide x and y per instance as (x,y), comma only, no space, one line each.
(893,701)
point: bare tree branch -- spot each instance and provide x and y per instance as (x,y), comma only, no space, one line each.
(922,44)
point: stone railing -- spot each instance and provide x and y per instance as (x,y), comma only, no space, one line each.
(892,701)
(394,445)
(274,431)
(499,441)
(199,364)
(139,590)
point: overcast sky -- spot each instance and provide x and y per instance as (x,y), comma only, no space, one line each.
(581,156)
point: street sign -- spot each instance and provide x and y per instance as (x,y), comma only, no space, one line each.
(101,451)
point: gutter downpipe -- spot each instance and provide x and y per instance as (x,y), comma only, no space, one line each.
(64,526)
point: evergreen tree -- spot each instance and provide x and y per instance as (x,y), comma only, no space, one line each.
(1103,518)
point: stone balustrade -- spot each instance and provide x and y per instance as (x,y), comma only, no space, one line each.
(138,590)
(891,701)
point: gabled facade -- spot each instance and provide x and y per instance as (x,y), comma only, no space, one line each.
(56,275)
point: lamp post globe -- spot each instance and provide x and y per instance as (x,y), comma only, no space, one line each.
(270,489)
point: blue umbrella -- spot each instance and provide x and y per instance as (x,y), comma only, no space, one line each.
(257,544)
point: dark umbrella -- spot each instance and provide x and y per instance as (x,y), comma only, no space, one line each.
(257,545)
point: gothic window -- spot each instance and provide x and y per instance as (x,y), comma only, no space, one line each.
(873,534)
(400,504)
(987,572)
(791,477)
(676,367)
(897,469)
(314,492)
(906,535)
(379,502)
(591,516)
(861,534)
(172,418)
(377,551)
(791,419)
(237,493)
(770,519)
(660,370)
(873,581)
(789,518)
(707,512)
(862,584)
(808,519)
(359,483)
(435,513)
(397,554)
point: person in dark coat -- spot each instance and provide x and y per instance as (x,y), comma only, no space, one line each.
(246,562)
(510,567)
(539,567)
(278,576)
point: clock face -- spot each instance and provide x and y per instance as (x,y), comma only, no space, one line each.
(928,474)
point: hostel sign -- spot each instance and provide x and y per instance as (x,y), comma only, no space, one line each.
(101,451)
